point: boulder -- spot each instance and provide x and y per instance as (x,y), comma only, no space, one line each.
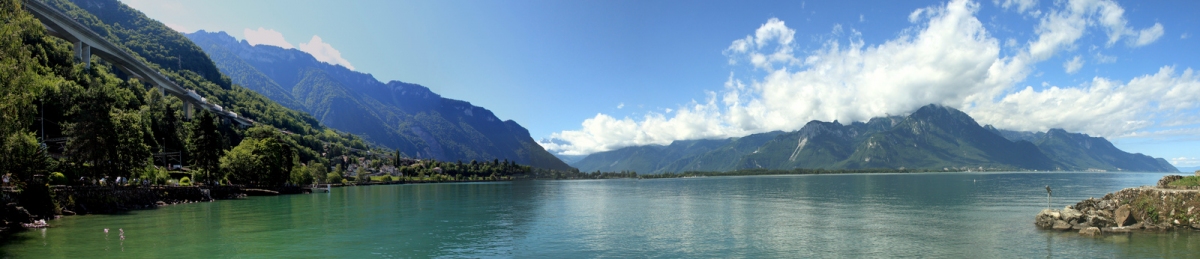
(1099,221)
(1123,216)
(1138,225)
(1080,225)
(1091,231)
(1061,225)
(1071,215)
(1045,218)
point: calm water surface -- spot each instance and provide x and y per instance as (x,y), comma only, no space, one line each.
(855,215)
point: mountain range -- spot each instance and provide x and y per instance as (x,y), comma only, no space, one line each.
(932,138)
(402,116)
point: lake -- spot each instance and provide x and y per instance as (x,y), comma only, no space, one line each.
(850,215)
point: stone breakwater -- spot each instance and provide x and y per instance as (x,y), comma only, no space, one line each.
(1147,208)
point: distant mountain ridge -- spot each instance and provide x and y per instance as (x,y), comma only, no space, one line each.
(932,138)
(403,116)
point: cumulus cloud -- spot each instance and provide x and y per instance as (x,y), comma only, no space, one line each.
(1149,35)
(620,105)
(1073,65)
(324,52)
(263,36)
(773,33)
(1101,107)
(947,57)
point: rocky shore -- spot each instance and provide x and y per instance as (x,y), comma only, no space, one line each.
(1146,208)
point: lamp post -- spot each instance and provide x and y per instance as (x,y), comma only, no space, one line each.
(1047,197)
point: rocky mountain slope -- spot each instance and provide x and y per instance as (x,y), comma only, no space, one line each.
(403,116)
(931,138)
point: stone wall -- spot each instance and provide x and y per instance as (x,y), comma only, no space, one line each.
(109,199)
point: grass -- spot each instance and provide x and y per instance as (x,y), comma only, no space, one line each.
(1186,181)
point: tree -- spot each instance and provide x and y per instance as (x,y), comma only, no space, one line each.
(206,145)
(22,156)
(163,122)
(241,163)
(105,133)
(300,173)
(360,174)
(317,171)
(262,158)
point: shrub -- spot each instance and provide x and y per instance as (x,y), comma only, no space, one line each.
(185,181)
(333,178)
(1186,181)
(57,178)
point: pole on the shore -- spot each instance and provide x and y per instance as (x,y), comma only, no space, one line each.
(1047,197)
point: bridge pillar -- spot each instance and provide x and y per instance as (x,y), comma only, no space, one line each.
(84,53)
(187,110)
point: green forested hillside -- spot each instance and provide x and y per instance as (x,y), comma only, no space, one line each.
(931,138)
(403,116)
(113,125)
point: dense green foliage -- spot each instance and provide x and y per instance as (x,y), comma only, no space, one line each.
(264,158)
(1188,181)
(29,63)
(933,138)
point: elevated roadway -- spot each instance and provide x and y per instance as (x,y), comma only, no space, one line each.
(88,43)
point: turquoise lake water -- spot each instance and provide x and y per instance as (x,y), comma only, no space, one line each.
(959,215)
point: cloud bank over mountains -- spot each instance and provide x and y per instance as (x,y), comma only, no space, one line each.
(318,48)
(946,57)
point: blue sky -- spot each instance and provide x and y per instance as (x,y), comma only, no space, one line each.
(588,76)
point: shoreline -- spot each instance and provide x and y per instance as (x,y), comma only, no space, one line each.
(108,200)
(1145,208)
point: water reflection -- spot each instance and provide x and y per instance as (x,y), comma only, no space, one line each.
(876,215)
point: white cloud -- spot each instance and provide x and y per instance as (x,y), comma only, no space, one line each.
(263,36)
(774,32)
(1149,35)
(946,58)
(1183,36)
(324,52)
(1101,107)
(1020,5)
(1073,65)
(862,18)
(1103,59)
(1185,161)
(620,105)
